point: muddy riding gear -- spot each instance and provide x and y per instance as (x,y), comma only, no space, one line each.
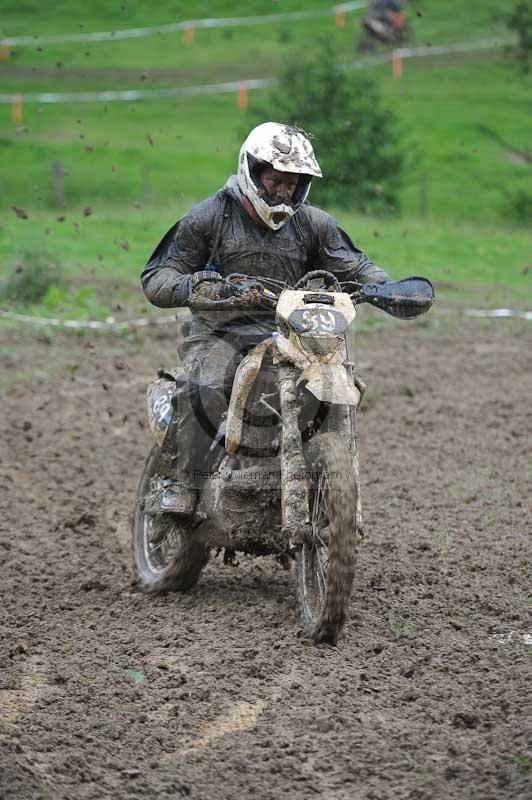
(220,232)
(210,285)
(204,275)
(381,8)
(178,498)
(286,149)
(310,239)
(385,22)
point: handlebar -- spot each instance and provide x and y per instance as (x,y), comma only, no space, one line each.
(405,299)
(330,280)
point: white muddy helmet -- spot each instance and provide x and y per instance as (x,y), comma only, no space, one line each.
(286,149)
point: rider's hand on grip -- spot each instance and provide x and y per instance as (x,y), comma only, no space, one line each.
(209,285)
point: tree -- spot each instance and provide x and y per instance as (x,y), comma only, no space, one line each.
(354,136)
(520,21)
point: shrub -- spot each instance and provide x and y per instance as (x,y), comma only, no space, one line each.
(518,206)
(31,278)
(354,136)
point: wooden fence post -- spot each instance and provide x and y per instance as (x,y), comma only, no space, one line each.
(16,110)
(242,96)
(189,33)
(339,17)
(397,65)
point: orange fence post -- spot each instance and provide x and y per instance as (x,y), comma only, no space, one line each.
(242,96)
(16,109)
(397,65)
(340,17)
(4,52)
(189,33)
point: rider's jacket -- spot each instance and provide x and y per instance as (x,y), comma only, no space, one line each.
(310,240)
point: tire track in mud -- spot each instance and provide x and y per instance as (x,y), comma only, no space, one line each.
(31,680)
(242,716)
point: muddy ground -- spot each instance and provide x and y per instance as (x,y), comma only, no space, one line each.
(105,692)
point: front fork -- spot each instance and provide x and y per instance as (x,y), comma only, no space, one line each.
(294,471)
(294,483)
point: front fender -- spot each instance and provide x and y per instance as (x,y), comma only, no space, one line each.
(330,383)
(160,397)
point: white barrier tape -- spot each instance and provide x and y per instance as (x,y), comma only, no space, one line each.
(432,50)
(173,27)
(233,86)
(458,47)
(144,322)
(94,324)
(497,312)
(136,94)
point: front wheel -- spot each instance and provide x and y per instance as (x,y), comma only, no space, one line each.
(326,561)
(167,555)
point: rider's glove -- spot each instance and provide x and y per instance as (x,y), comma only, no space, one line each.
(251,285)
(210,285)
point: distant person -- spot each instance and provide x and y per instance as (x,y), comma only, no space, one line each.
(258,224)
(381,8)
(384,22)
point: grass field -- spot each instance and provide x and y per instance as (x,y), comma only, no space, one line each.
(136,166)
(435,20)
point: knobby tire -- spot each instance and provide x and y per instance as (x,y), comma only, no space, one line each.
(189,555)
(325,573)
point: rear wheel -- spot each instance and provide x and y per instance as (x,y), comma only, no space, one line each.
(366,43)
(326,561)
(168,555)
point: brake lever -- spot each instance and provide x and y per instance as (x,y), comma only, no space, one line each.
(358,297)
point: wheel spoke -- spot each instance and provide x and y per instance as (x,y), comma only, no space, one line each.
(320,572)
(159,544)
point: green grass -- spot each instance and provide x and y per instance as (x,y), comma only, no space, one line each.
(463,259)
(138,166)
(184,148)
(246,46)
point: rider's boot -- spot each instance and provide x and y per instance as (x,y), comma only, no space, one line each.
(178,498)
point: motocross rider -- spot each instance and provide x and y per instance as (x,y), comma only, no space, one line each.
(384,18)
(258,224)
(379,9)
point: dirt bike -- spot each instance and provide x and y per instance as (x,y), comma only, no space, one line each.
(285,481)
(392,31)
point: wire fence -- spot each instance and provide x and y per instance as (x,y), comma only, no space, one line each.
(175,27)
(109,96)
(111,324)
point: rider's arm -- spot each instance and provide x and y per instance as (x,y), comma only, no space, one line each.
(183,251)
(338,254)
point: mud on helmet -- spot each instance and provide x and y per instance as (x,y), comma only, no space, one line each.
(286,149)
